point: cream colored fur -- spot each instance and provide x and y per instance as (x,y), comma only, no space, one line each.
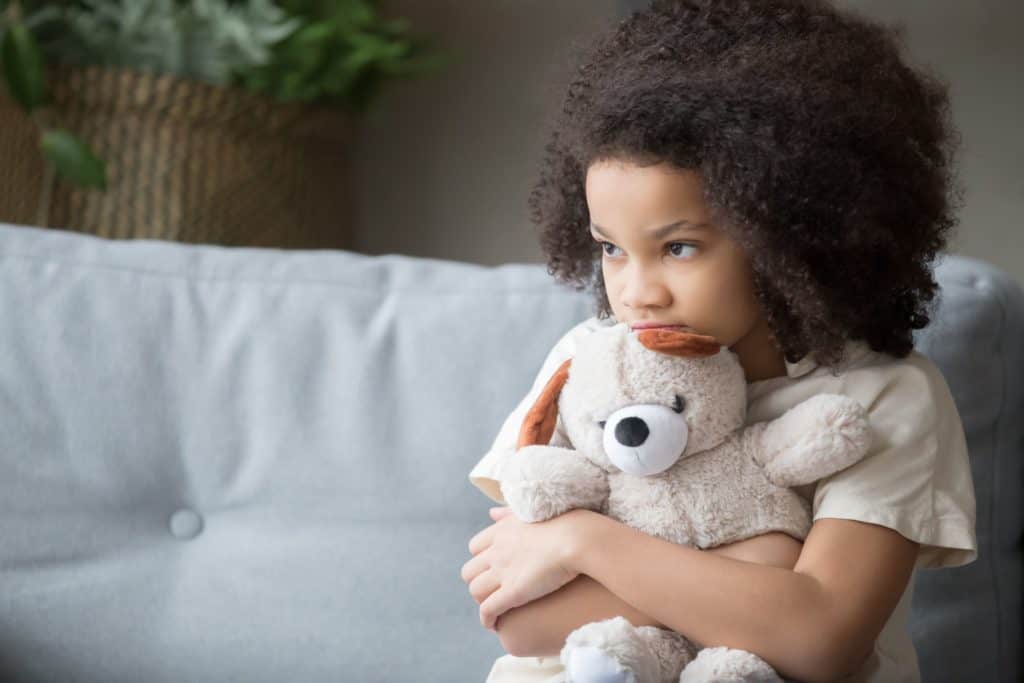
(703,480)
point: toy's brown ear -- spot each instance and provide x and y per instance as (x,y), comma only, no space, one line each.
(678,343)
(539,423)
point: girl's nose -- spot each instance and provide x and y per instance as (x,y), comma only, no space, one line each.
(644,289)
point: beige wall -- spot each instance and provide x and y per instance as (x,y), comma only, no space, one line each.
(445,168)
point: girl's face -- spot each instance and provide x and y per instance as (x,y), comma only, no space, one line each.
(663,262)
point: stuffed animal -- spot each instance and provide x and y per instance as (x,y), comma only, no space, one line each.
(652,434)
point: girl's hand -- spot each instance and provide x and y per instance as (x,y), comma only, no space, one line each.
(517,562)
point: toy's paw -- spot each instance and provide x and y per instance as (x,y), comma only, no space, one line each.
(726,665)
(541,482)
(609,650)
(589,664)
(842,426)
(814,439)
(842,414)
(835,414)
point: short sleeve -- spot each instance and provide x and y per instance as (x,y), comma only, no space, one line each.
(916,478)
(485,475)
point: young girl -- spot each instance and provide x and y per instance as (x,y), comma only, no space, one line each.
(773,174)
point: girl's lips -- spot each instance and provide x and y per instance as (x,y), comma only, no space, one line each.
(647,326)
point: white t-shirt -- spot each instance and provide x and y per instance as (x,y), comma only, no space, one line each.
(916,478)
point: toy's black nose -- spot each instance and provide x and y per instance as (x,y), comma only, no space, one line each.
(631,431)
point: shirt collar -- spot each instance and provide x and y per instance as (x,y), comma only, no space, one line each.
(801,367)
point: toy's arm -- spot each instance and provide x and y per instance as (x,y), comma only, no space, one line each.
(541,482)
(818,437)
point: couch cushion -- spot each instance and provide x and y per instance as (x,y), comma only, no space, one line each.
(966,621)
(315,412)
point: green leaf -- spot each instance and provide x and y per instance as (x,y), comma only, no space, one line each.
(311,50)
(314,34)
(42,16)
(397,27)
(73,159)
(23,67)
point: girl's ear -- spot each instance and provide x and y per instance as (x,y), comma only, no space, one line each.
(677,343)
(539,423)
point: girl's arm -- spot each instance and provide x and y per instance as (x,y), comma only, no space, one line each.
(539,628)
(816,622)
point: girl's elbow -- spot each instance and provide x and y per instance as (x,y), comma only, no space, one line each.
(837,660)
(519,636)
(830,672)
(515,648)
(520,644)
(513,641)
(849,660)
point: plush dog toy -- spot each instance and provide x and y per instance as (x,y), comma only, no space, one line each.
(654,437)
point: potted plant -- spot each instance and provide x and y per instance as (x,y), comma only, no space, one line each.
(221,121)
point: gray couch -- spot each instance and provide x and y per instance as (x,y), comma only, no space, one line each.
(228,464)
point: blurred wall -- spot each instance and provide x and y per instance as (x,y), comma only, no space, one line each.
(445,167)
(976,46)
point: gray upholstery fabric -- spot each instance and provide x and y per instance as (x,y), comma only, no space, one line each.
(226,464)
(966,621)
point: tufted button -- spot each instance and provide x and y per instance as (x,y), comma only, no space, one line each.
(186,524)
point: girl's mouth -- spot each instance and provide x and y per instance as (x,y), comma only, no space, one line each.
(650,325)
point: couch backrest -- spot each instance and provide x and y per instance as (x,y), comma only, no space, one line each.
(966,621)
(223,464)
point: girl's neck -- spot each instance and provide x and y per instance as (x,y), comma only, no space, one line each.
(759,355)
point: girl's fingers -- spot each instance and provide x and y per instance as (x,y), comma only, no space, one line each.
(500,513)
(473,568)
(483,585)
(491,608)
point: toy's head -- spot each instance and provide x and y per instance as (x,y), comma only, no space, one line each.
(639,401)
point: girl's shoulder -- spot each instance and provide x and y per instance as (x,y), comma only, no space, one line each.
(914,378)
(916,477)
(865,373)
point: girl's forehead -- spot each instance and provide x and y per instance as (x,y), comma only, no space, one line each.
(655,200)
(663,231)
(614,171)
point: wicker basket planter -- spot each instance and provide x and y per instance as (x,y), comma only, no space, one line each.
(186,161)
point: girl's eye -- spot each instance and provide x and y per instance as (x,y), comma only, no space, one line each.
(682,245)
(675,248)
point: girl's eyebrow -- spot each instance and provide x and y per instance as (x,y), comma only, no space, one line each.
(663,231)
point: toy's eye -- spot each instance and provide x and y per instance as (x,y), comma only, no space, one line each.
(679,404)
(645,439)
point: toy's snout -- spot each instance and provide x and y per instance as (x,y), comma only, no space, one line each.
(645,439)
(631,431)
(641,439)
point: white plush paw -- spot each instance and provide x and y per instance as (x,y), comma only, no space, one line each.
(589,664)
(526,492)
(541,482)
(613,650)
(726,665)
(816,438)
(841,416)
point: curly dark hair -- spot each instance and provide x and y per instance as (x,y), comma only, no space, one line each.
(824,155)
